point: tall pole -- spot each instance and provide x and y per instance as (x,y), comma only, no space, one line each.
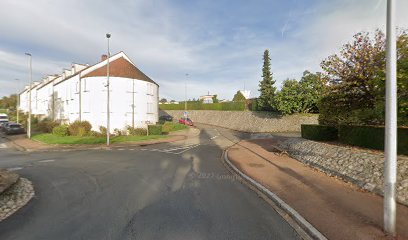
(390,151)
(108,97)
(185,93)
(133,103)
(18,100)
(29,96)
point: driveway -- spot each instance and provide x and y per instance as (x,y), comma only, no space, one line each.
(177,190)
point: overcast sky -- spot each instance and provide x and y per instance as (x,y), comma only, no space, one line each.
(219,43)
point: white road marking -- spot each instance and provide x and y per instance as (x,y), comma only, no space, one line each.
(14,168)
(3,145)
(174,150)
(47,160)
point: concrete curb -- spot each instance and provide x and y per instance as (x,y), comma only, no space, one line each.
(303,223)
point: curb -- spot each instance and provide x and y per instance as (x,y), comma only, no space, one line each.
(303,223)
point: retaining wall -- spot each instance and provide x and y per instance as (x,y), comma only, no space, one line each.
(247,121)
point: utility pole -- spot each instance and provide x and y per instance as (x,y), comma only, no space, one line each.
(29,96)
(185,93)
(133,103)
(18,100)
(390,151)
(108,96)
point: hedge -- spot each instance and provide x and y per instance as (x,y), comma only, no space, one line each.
(225,106)
(319,132)
(155,129)
(371,137)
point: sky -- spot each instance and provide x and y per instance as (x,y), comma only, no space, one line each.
(218,43)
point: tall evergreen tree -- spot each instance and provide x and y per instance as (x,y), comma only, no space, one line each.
(265,100)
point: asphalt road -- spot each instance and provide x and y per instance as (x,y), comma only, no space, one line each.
(166,191)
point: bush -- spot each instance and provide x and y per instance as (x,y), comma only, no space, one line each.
(61,130)
(79,128)
(102,130)
(371,137)
(225,106)
(46,125)
(155,129)
(319,132)
(137,131)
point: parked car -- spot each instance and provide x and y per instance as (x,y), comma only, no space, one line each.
(13,128)
(166,118)
(3,126)
(186,121)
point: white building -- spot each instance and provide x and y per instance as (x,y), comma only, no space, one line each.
(245,93)
(80,93)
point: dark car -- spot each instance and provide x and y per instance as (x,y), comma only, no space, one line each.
(13,128)
(3,126)
(166,118)
(186,121)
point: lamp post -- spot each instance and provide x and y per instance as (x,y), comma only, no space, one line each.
(18,99)
(108,96)
(390,151)
(29,96)
(185,115)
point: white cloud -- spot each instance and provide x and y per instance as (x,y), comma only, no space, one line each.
(166,40)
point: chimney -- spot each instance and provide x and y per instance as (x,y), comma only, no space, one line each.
(104,57)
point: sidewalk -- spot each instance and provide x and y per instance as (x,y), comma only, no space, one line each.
(337,209)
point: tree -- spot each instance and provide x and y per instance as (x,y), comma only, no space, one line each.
(302,96)
(9,102)
(163,100)
(357,77)
(266,88)
(215,99)
(239,97)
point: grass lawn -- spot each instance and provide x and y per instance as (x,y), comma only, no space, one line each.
(173,126)
(53,139)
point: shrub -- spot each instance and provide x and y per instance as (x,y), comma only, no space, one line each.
(371,137)
(155,129)
(61,130)
(118,132)
(171,126)
(319,132)
(79,128)
(224,106)
(137,131)
(102,130)
(95,134)
(46,125)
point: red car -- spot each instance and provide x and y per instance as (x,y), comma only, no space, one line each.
(186,121)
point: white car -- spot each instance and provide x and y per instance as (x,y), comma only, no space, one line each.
(3,118)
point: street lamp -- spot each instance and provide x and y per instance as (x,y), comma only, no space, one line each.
(18,99)
(390,150)
(108,96)
(29,96)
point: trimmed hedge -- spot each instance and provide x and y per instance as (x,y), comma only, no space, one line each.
(225,106)
(319,132)
(155,129)
(371,137)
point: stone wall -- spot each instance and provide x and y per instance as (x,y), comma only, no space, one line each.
(362,167)
(247,121)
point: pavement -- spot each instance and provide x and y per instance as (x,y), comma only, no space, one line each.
(337,209)
(178,190)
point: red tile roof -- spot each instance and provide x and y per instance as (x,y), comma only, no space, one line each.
(120,68)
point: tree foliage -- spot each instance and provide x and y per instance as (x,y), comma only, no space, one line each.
(163,100)
(8,102)
(239,97)
(266,88)
(302,96)
(357,77)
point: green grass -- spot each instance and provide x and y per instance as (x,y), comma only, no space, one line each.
(173,126)
(53,139)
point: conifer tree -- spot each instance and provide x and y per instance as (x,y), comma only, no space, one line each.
(265,100)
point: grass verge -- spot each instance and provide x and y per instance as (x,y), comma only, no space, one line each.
(53,139)
(173,126)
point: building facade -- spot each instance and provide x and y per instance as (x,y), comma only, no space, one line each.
(80,93)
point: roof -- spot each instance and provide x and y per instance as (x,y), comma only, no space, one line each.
(120,67)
